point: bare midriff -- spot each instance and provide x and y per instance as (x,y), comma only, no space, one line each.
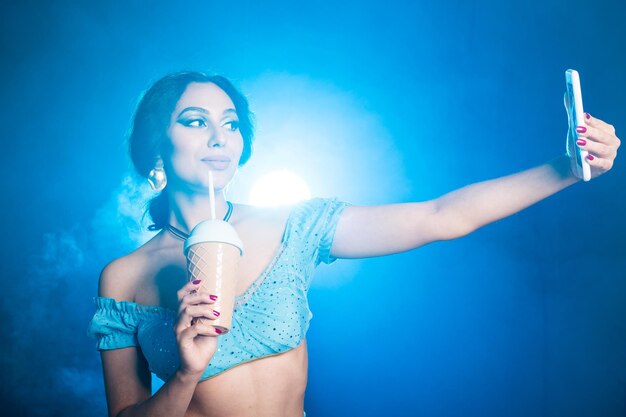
(271,386)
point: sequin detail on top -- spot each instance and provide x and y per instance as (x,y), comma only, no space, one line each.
(270,317)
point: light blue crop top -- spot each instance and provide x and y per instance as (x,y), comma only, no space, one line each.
(270,317)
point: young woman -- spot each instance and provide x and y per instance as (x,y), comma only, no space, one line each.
(189,123)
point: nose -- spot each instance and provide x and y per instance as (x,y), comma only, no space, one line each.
(216,139)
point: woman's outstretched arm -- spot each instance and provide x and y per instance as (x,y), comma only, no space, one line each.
(382,230)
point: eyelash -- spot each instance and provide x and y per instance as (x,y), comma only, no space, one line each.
(191,122)
(234,124)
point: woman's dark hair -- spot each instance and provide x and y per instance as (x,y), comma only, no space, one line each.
(148,137)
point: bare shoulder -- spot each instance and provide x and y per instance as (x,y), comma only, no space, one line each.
(120,277)
(262,217)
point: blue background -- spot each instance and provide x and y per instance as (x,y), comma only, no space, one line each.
(524,317)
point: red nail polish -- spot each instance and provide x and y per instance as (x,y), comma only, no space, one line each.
(587,115)
(216,313)
(581,129)
(218,331)
(196,282)
(213,297)
(590,157)
(581,142)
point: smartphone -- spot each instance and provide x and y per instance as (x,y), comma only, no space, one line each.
(576,116)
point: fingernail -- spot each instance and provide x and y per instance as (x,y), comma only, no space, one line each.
(196,282)
(218,331)
(590,157)
(216,313)
(213,297)
(581,129)
(587,115)
(581,142)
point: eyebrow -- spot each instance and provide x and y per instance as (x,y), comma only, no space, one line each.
(203,110)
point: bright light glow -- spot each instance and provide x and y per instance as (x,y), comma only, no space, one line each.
(279,188)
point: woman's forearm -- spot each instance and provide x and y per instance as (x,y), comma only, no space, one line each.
(364,232)
(171,400)
(471,207)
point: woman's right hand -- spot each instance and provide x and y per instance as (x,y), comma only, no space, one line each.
(197,340)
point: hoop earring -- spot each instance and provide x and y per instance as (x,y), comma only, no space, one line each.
(157,178)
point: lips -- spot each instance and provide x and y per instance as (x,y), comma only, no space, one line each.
(218,162)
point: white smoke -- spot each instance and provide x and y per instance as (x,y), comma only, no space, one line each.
(120,224)
(56,303)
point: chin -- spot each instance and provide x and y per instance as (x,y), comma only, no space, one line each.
(221,179)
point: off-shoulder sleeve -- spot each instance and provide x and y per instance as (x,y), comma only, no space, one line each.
(114,325)
(332,210)
(313,227)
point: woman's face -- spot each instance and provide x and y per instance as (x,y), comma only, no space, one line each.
(204,136)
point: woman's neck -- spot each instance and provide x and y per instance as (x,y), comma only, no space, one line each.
(187,210)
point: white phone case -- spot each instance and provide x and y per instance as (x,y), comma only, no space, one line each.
(574,107)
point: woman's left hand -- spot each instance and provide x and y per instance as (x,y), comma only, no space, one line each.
(599,139)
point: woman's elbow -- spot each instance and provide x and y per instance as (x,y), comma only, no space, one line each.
(449,227)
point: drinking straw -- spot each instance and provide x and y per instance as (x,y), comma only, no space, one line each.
(212,195)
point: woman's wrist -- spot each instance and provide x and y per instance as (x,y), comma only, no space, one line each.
(188,377)
(563,165)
